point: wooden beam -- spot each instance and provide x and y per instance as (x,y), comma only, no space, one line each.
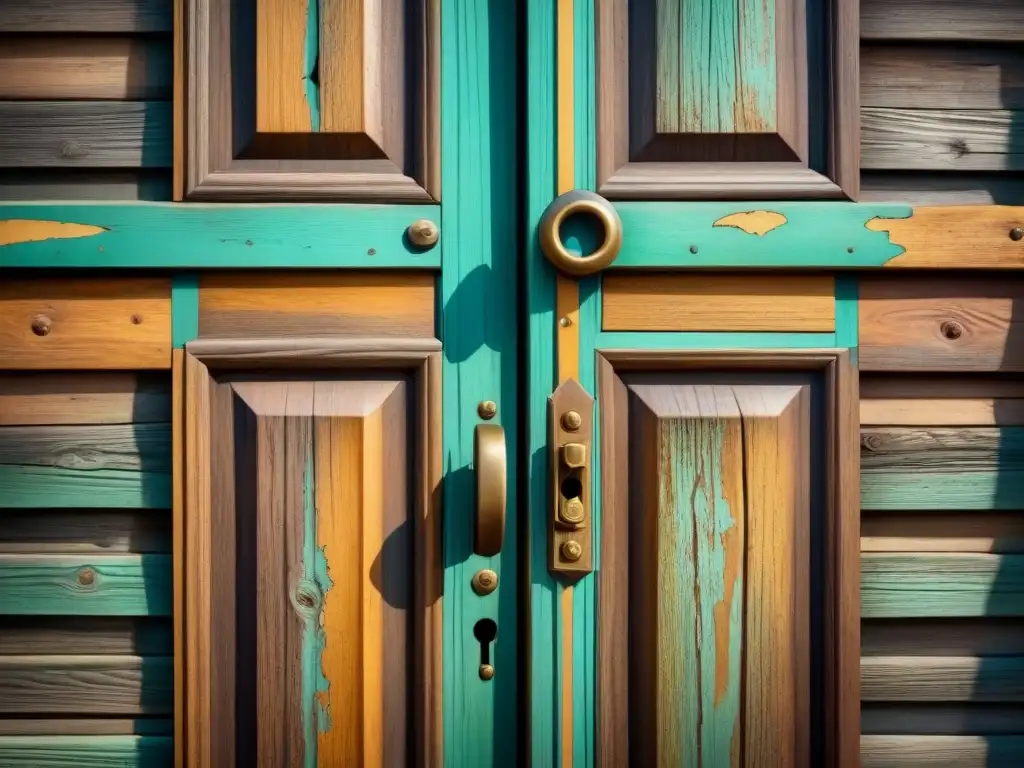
(282,27)
(94,532)
(137,447)
(84,184)
(91,635)
(125,751)
(989,21)
(28,399)
(961,751)
(98,16)
(942,678)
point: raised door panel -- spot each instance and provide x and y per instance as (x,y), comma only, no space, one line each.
(313,570)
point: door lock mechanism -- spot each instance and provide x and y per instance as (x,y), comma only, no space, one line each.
(571,417)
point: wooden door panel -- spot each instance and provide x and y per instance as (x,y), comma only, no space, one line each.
(315,635)
(717,488)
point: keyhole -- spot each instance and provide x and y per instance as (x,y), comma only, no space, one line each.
(485,631)
(571,487)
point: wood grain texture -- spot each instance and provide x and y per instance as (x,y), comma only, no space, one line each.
(34,487)
(138,447)
(926,400)
(84,184)
(85,585)
(943,637)
(998,533)
(60,751)
(940,325)
(90,636)
(102,685)
(956,237)
(941,719)
(942,678)
(113,324)
(933,585)
(949,188)
(87,134)
(37,399)
(941,139)
(281,28)
(110,726)
(700,302)
(51,68)
(983,20)
(103,16)
(93,532)
(178,541)
(310,304)
(940,751)
(941,77)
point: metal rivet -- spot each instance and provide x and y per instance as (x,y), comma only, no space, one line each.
(565,322)
(40,325)
(136,319)
(86,576)
(1017,233)
(850,249)
(423,233)
(572,551)
(487,409)
(693,249)
(371,252)
(486,672)
(571,421)
(952,330)
(484,582)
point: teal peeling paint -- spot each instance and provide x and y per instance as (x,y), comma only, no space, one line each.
(315,583)
(815,235)
(847,315)
(184,310)
(312,55)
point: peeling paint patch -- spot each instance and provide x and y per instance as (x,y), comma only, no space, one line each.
(758,223)
(14,231)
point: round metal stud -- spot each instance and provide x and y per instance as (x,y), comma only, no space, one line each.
(572,551)
(486,672)
(1017,234)
(487,409)
(423,233)
(485,581)
(571,421)
(41,325)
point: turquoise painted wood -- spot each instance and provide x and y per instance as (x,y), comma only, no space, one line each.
(940,489)
(35,487)
(309,64)
(86,751)
(828,235)
(941,585)
(193,236)
(79,585)
(184,309)
(479,305)
(847,315)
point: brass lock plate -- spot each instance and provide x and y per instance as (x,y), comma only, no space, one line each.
(570,442)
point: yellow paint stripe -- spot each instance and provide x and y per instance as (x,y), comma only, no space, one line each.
(14,231)
(566,127)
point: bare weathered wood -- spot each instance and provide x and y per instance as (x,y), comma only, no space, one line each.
(940,719)
(143,726)
(51,68)
(941,751)
(951,531)
(28,399)
(111,685)
(307,352)
(987,20)
(970,449)
(942,139)
(942,188)
(942,678)
(87,134)
(941,77)
(141,447)
(74,531)
(94,16)
(84,184)
(86,635)
(943,637)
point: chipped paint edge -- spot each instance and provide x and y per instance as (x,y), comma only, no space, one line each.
(310,63)
(758,223)
(15,231)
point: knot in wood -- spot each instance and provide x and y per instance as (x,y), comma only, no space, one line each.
(72,149)
(871,442)
(40,325)
(136,319)
(307,597)
(86,577)
(951,330)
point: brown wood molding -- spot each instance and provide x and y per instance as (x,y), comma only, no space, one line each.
(362,425)
(620,372)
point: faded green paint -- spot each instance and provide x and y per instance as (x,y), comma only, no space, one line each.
(79,585)
(128,751)
(939,488)
(310,63)
(697,717)
(716,67)
(954,585)
(210,236)
(184,310)
(40,487)
(827,235)
(314,585)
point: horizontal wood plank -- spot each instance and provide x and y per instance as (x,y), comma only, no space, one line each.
(97,16)
(921,324)
(981,20)
(86,134)
(967,412)
(707,302)
(100,685)
(78,726)
(86,324)
(951,188)
(76,531)
(38,399)
(39,487)
(943,637)
(940,719)
(85,585)
(942,139)
(52,68)
(101,446)
(932,585)
(87,635)
(954,531)
(84,184)
(942,678)
(941,751)
(369,304)
(86,751)
(941,77)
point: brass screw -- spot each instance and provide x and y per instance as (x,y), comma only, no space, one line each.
(86,576)
(423,233)
(487,409)
(485,581)
(1017,234)
(565,322)
(572,551)
(571,421)
(486,672)
(40,325)
(952,330)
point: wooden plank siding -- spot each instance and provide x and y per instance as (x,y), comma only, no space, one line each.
(86,651)
(942,102)
(86,100)
(942,563)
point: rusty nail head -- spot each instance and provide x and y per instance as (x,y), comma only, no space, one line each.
(1017,233)
(487,409)
(40,325)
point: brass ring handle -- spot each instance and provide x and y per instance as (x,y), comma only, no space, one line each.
(491,466)
(575,202)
